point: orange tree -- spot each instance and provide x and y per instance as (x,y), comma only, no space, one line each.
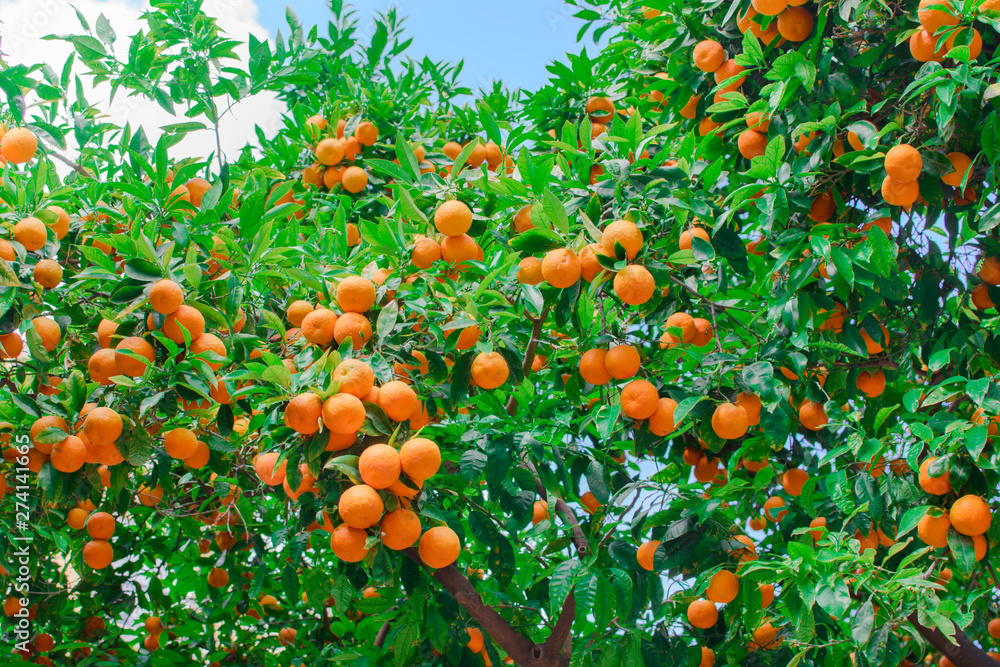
(685,358)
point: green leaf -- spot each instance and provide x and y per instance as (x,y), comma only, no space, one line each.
(883,257)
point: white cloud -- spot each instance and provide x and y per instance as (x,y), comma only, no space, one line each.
(26,22)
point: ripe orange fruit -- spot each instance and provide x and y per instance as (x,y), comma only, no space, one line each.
(475,643)
(751,143)
(360,506)
(793,480)
(303,412)
(765,637)
(354,179)
(989,271)
(903,163)
(398,400)
(539,512)
(11,345)
(356,294)
(457,250)
(318,326)
(102,426)
(180,443)
(622,362)
(872,384)
(264,465)
(102,366)
(624,233)
(142,355)
(529,271)
(490,370)
(47,273)
(795,24)
(425,252)
(400,529)
(933,530)
(209,342)
(728,70)
(420,459)
(18,145)
(296,312)
(922,45)
(960,164)
(812,415)
(590,502)
(634,285)
(98,554)
(348,543)
(522,219)
(149,497)
(561,268)
(933,19)
(723,587)
(661,422)
(341,413)
(329,151)
(355,326)
(645,554)
(76,518)
(355,377)
(970,515)
(593,368)
(708,55)
(823,208)
(684,243)
(599,109)
(101,526)
(975,43)
(994,628)
(899,194)
(184,318)
(48,331)
(105,330)
(639,399)
(817,523)
(730,421)
(379,466)
(751,404)
(166,296)
(981,297)
(439,547)
(702,614)
(774,503)
(69,455)
(453,218)
(937,486)
(690,108)
(200,457)
(31,233)
(366,133)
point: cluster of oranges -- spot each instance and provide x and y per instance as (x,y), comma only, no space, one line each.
(330,152)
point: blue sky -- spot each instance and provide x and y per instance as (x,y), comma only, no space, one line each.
(509,40)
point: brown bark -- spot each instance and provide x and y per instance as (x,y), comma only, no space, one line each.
(962,654)
(525,652)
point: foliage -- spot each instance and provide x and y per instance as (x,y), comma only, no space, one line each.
(784,271)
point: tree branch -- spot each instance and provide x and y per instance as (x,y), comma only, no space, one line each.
(560,633)
(529,355)
(383,632)
(524,652)
(962,654)
(579,538)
